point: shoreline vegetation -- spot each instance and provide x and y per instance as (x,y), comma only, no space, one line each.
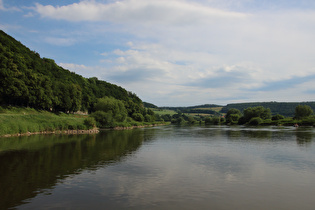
(21,121)
(251,116)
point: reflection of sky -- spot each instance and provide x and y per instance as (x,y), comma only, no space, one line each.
(205,171)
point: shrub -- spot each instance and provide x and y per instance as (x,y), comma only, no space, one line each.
(89,122)
(114,106)
(208,121)
(255,121)
(232,116)
(303,111)
(191,120)
(81,127)
(103,119)
(277,117)
(138,117)
(178,121)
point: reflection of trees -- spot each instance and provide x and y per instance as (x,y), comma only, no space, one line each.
(249,134)
(258,134)
(26,172)
(304,138)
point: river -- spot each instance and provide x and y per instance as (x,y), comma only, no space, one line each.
(164,167)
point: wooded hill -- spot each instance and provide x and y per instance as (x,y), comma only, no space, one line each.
(286,109)
(28,80)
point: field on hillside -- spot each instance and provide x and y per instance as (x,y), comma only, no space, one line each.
(164,111)
(172,112)
(217,109)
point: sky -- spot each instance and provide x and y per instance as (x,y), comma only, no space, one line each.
(177,52)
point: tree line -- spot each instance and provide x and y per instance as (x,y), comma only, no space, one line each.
(303,114)
(28,80)
(286,109)
(258,115)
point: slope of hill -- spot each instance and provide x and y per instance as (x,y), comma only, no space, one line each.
(284,108)
(28,80)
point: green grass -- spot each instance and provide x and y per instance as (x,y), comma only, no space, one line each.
(216,109)
(15,120)
(164,111)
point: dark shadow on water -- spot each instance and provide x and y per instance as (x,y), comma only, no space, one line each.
(32,164)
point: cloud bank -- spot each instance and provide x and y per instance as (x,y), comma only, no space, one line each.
(190,52)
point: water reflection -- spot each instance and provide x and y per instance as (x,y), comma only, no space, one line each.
(32,164)
(171,167)
(304,136)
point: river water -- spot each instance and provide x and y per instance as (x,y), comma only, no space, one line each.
(165,167)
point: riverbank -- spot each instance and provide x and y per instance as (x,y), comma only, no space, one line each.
(18,121)
(137,126)
(91,131)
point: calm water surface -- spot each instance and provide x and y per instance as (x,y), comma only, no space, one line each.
(165,167)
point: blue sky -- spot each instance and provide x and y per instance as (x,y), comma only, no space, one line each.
(177,52)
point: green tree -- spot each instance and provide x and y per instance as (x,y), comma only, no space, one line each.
(233,115)
(191,120)
(303,111)
(277,117)
(138,117)
(258,111)
(208,121)
(114,106)
(255,121)
(90,122)
(103,119)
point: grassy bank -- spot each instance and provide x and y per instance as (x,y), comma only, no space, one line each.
(15,120)
(18,120)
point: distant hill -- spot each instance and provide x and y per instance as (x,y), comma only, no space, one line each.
(28,80)
(190,107)
(284,108)
(211,109)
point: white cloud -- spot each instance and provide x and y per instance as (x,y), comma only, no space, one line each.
(167,12)
(182,51)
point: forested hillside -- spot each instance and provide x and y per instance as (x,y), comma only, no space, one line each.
(283,108)
(28,80)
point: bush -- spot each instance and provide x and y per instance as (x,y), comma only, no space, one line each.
(208,121)
(138,117)
(191,120)
(308,121)
(89,123)
(147,118)
(81,127)
(277,117)
(212,120)
(303,111)
(255,121)
(103,119)
(114,106)
(178,121)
